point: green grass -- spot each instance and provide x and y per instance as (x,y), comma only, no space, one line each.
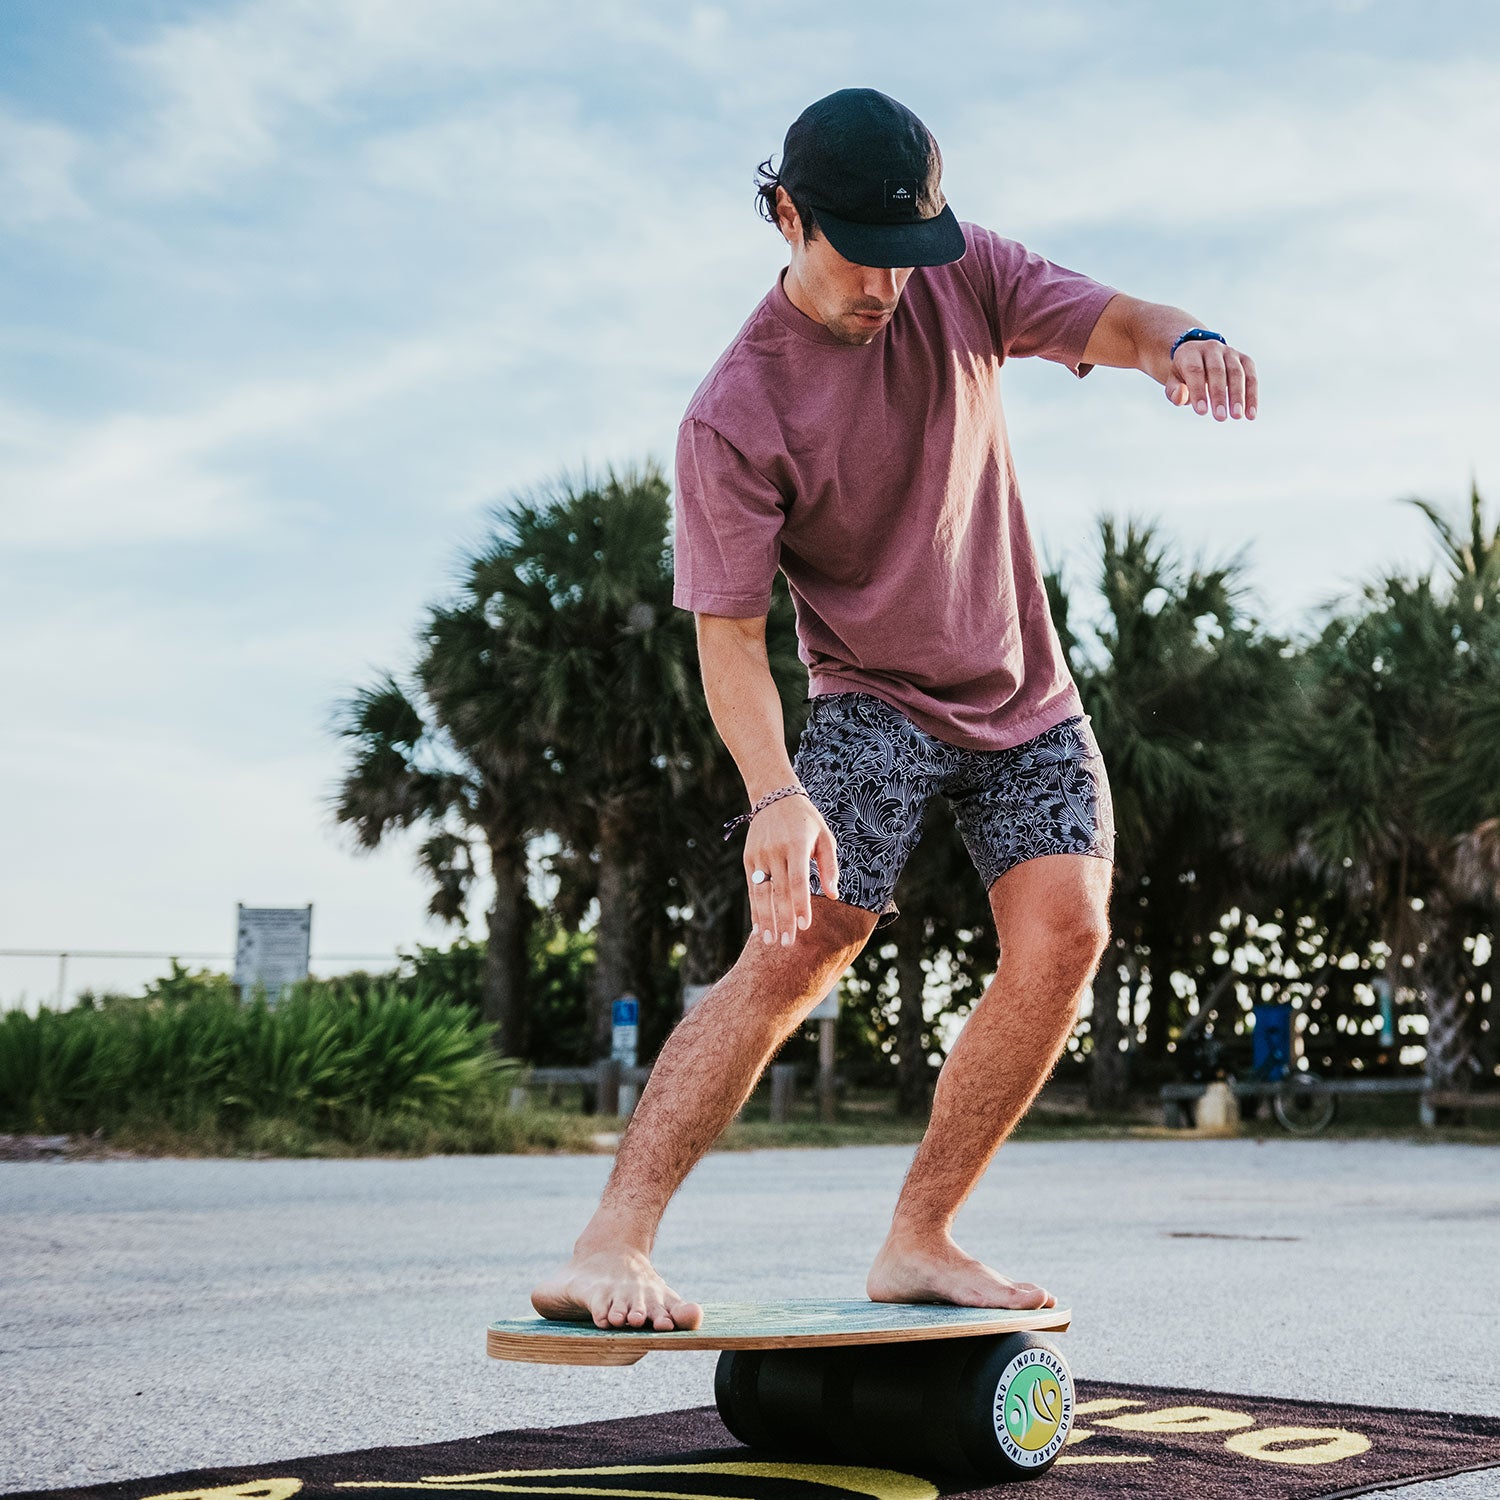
(486,1127)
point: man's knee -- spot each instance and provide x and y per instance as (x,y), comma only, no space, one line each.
(786,977)
(1057,916)
(1067,946)
(1081,931)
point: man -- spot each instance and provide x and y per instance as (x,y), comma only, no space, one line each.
(852,436)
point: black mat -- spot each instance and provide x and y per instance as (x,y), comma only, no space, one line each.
(1137,1441)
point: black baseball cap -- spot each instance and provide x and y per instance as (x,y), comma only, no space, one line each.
(872,172)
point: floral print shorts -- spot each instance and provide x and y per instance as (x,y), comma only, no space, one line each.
(870,771)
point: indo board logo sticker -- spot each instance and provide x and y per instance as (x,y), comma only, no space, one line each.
(1033,1408)
(901,195)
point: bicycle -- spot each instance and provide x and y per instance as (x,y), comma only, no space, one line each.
(1300,1101)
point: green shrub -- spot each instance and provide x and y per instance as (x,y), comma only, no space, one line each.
(326,1063)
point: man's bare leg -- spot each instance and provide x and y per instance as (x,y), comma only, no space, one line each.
(704,1073)
(1051,916)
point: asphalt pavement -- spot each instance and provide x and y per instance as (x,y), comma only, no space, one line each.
(163,1315)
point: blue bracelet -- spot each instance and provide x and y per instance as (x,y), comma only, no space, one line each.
(1194,335)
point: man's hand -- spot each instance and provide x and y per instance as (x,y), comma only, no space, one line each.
(781,840)
(1135,335)
(1207,373)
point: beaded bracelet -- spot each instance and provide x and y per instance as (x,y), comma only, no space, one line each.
(766,801)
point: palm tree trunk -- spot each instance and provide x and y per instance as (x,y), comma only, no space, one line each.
(1109,1064)
(505,960)
(1159,1010)
(1487,1044)
(1450,1038)
(617,913)
(714,882)
(1444,979)
(912,1071)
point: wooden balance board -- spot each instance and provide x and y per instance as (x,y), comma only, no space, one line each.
(805,1323)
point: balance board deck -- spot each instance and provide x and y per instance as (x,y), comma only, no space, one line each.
(801,1323)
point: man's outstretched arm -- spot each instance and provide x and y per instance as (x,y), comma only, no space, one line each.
(1136,335)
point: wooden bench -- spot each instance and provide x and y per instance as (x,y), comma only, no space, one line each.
(1454,1101)
(1178,1099)
(608,1088)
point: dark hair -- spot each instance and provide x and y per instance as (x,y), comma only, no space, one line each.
(766,183)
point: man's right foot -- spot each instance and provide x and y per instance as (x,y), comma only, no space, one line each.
(614,1289)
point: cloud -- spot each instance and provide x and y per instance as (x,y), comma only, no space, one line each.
(38,162)
(1224,153)
(142,478)
(221,86)
(173,834)
(226,89)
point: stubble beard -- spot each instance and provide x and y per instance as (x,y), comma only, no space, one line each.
(849,330)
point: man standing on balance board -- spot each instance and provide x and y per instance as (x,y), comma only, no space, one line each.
(852,436)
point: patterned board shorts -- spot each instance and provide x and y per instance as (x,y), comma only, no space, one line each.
(870,771)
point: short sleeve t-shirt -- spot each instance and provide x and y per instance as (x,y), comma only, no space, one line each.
(878,478)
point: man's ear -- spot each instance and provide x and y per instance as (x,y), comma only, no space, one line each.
(787,220)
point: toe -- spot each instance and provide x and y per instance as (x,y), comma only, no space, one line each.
(685,1314)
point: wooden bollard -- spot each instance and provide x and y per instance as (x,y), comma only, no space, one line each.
(607,1087)
(783,1087)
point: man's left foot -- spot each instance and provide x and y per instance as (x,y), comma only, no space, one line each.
(938,1271)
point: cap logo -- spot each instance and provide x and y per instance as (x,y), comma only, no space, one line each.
(901,195)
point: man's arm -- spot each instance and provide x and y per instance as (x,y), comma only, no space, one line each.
(1136,335)
(746,709)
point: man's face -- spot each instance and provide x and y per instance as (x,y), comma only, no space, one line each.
(853,302)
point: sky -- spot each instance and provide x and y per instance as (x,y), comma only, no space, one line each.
(294,293)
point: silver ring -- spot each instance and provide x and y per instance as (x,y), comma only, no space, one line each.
(759,877)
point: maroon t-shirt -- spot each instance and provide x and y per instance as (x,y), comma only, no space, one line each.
(878,478)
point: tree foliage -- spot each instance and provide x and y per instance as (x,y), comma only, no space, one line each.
(1294,816)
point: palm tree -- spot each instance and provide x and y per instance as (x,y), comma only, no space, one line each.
(1474,561)
(467,672)
(602,666)
(1175,676)
(1460,792)
(410,769)
(705,791)
(1380,779)
(945,925)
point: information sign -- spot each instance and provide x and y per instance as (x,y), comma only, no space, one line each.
(272,947)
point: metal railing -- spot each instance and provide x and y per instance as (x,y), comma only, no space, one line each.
(178,955)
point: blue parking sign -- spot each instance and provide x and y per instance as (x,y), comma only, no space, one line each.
(625,1033)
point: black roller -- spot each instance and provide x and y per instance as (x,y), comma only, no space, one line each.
(977,1408)
(1014,1406)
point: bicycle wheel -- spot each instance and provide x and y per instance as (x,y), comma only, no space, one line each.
(1303,1105)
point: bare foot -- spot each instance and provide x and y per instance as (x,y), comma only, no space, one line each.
(615,1288)
(936,1270)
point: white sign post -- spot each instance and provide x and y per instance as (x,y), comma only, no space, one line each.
(826,1014)
(272,947)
